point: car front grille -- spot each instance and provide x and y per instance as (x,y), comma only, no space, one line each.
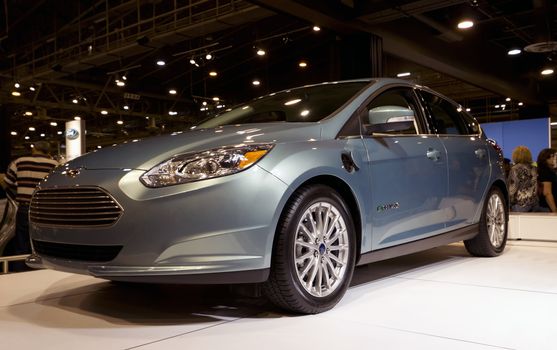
(76,206)
(76,251)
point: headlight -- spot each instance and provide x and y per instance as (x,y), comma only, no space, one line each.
(190,167)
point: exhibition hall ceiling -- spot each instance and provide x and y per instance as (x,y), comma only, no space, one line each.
(102,61)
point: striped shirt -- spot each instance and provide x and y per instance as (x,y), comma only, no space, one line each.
(25,173)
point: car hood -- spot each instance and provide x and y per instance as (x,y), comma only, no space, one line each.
(146,153)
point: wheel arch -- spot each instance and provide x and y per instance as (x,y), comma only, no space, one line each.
(347,195)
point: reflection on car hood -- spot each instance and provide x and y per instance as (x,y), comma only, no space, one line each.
(146,153)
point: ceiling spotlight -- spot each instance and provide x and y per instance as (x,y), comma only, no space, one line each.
(316,28)
(465,24)
(120,83)
(172,112)
(31,128)
(208,56)
(468,109)
(514,52)
(216,98)
(32,88)
(42,135)
(27,137)
(213,73)
(99,146)
(520,103)
(261,52)
(16,93)
(28,113)
(53,124)
(16,85)
(104,112)
(508,99)
(404,74)
(124,77)
(59,132)
(256,82)
(75,100)
(161,63)
(172,92)
(547,71)
(192,61)
(204,103)
(497,106)
(14,133)
(302,64)
(76,118)
(119,122)
(126,107)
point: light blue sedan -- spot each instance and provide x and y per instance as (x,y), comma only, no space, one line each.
(291,191)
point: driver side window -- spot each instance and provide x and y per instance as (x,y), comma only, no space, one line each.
(391,113)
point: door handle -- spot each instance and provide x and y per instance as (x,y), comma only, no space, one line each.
(480,153)
(433,154)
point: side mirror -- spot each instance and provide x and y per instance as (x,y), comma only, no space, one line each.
(391,119)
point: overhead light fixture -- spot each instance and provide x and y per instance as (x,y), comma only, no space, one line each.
(172,112)
(514,52)
(14,133)
(172,91)
(27,137)
(208,56)
(468,109)
(520,104)
(32,88)
(204,103)
(316,28)
(75,100)
(119,122)
(16,85)
(124,77)
(77,118)
(192,61)
(213,73)
(42,135)
(465,24)
(126,107)
(508,99)
(304,113)
(99,146)
(220,106)
(497,106)
(161,63)
(302,64)
(28,113)
(31,128)
(216,98)
(547,71)
(261,52)
(16,93)
(256,82)
(59,132)
(53,124)
(120,83)
(104,112)
(404,74)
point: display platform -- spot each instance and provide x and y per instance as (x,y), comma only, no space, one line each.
(438,299)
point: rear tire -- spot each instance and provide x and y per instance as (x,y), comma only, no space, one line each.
(314,252)
(492,237)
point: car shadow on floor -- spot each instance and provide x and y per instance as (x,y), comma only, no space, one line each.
(151,304)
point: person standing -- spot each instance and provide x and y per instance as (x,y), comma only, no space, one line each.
(548,178)
(22,177)
(523,182)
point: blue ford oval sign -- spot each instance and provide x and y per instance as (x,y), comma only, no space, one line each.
(72,134)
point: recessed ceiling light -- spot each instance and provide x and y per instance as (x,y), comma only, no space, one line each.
(520,103)
(404,74)
(16,85)
(508,99)
(42,135)
(304,113)
(16,93)
(75,100)
(28,113)
(59,133)
(53,124)
(465,24)
(121,83)
(172,112)
(32,88)
(216,98)
(99,146)
(316,28)
(27,137)
(514,52)
(204,103)
(161,63)
(126,107)
(261,52)
(497,106)
(192,61)
(548,71)
(208,56)
(213,73)
(119,122)
(303,64)
(172,92)
(31,128)
(77,118)
(468,109)
(14,133)
(256,82)
(104,112)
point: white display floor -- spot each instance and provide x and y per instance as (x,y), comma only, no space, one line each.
(439,299)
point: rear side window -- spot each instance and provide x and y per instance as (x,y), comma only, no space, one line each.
(446,117)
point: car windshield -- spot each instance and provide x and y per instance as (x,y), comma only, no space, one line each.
(305,104)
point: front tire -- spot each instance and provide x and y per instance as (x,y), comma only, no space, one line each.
(314,252)
(492,238)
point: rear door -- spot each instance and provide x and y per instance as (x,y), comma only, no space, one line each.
(467,157)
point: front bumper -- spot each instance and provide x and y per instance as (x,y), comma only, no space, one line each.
(213,231)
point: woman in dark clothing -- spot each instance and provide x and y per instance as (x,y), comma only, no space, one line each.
(547,177)
(523,182)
